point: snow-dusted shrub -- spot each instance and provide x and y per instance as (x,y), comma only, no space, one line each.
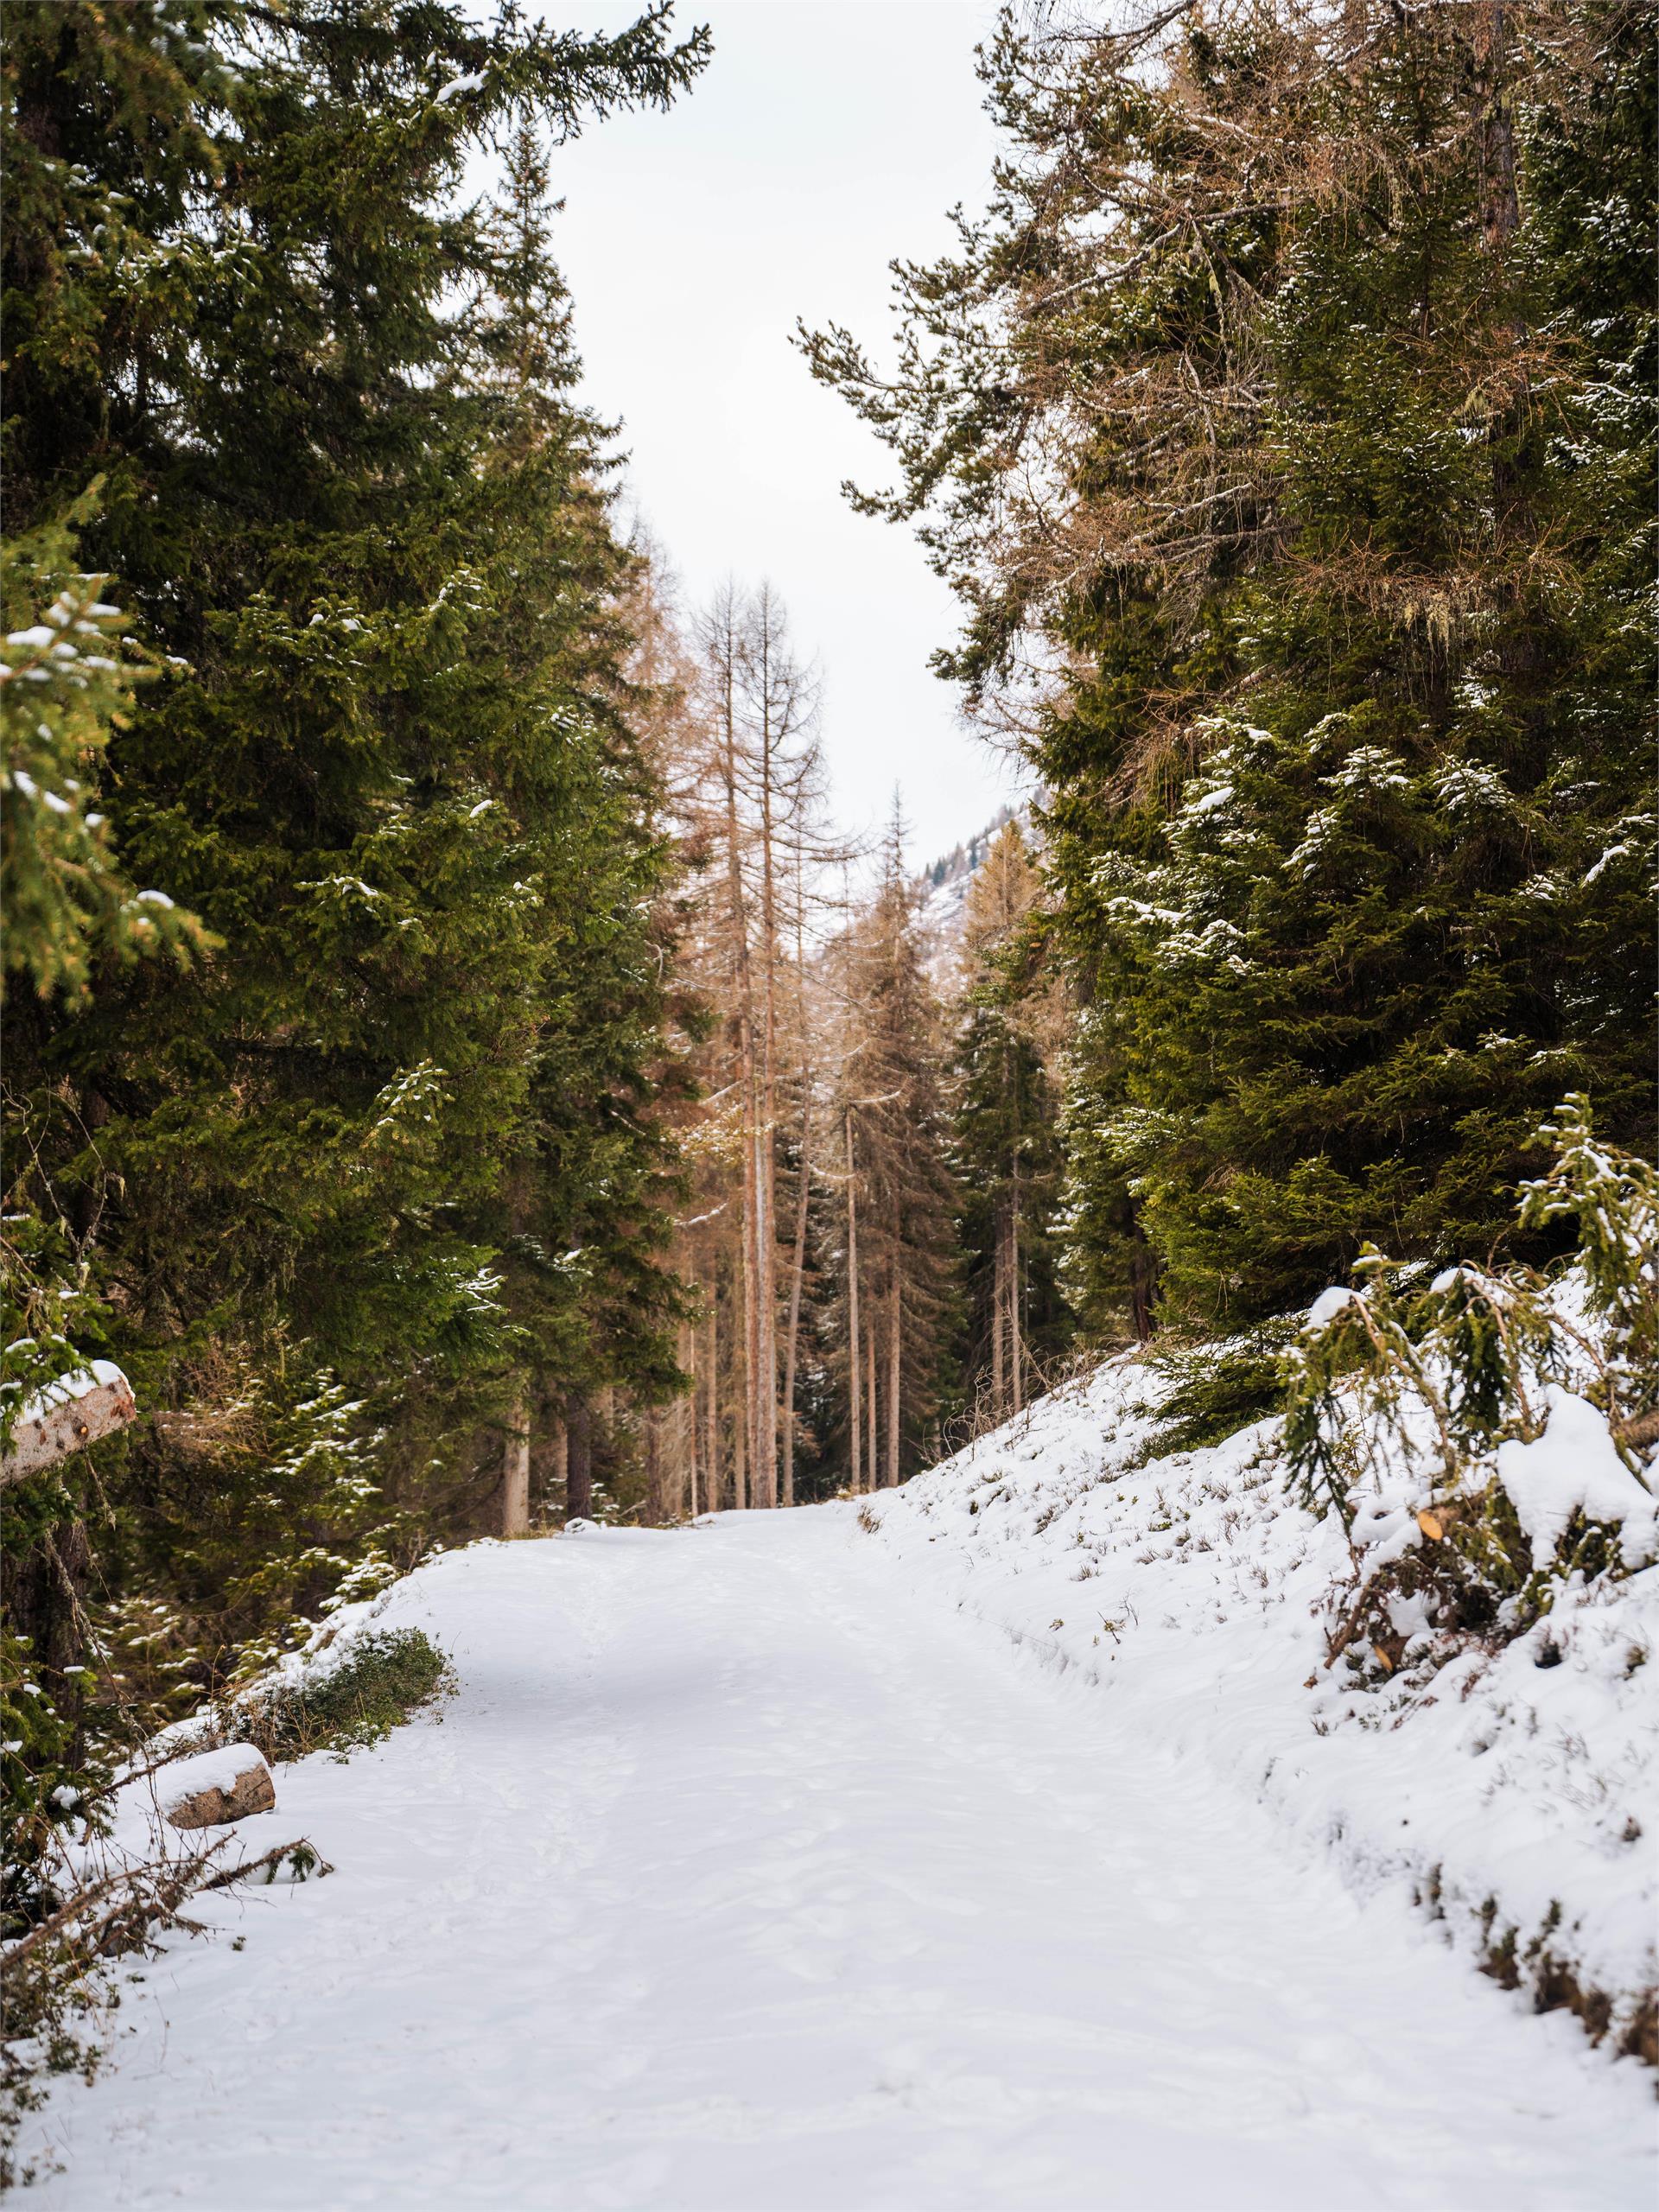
(382,1679)
(1483,1437)
(1212,1390)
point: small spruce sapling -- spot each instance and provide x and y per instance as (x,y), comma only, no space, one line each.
(1425,1382)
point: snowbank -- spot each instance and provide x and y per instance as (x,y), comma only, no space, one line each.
(1511,1792)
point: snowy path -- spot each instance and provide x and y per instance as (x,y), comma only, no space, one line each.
(741,1875)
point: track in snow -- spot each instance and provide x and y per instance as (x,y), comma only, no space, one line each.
(741,1875)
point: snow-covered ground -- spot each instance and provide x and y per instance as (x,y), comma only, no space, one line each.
(745,1871)
(1515,1794)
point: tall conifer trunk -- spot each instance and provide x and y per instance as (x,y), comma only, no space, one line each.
(515,1441)
(1500,213)
(797,1270)
(895,1368)
(766,1369)
(1016,1341)
(515,1466)
(47,1591)
(749,1399)
(727,647)
(999,1306)
(741,1430)
(853,1390)
(869,1378)
(655,1496)
(548,1443)
(685,1427)
(579,1461)
(711,1468)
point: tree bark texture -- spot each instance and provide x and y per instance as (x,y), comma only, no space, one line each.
(579,1461)
(515,1466)
(711,1468)
(854,1353)
(797,1271)
(873,1432)
(895,1373)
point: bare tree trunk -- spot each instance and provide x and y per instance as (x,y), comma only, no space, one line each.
(999,1303)
(579,1460)
(784,702)
(728,650)
(763,1373)
(797,1270)
(711,1410)
(766,1373)
(803,1184)
(875,1461)
(742,1406)
(547,1447)
(741,1432)
(1142,1280)
(515,1466)
(685,1429)
(854,1352)
(1500,213)
(895,1374)
(656,1502)
(48,1582)
(1016,1344)
(751,1398)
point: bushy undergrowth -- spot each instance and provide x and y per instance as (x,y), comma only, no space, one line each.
(382,1679)
(1483,1437)
(1215,1389)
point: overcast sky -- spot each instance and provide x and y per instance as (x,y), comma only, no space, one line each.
(826,137)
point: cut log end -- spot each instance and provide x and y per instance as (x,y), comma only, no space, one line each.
(65,1417)
(219,1787)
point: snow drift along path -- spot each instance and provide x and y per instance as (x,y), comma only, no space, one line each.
(742,1874)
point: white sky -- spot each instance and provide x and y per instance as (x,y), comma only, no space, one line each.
(825,138)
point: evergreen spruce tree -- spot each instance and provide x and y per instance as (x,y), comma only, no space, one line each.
(1005,1140)
(579,1215)
(1331,382)
(1383,934)
(349,504)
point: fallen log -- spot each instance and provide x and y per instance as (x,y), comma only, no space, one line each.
(217,1787)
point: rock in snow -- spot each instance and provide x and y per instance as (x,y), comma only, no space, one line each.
(216,1787)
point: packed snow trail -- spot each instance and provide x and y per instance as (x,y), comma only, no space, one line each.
(741,1874)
